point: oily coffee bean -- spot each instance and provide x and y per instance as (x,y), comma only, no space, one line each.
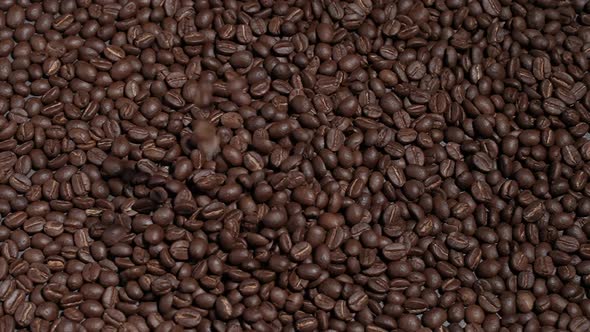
(294,165)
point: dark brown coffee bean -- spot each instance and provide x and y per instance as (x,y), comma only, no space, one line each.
(396,176)
(357,301)
(13,301)
(306,324)
(300,251)
(492,7)
(187,317)
(223,308)
(395,251)
(489,302)
(25,313)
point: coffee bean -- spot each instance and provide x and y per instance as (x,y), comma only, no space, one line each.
(187,317)
(458,241)
(300,251)
(567,244)
(434,318)
(534,211)
(544,266)
(415,305)
(223,308)
(306,324)
(492,7)
(489,302)
(308,271)
(357,301)
(396,176)
(342,311)
(394,251)
(554,106)
(13,301)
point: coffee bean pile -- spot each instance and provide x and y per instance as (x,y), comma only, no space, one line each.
(294,165)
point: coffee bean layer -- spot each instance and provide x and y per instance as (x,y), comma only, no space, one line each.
(294,165)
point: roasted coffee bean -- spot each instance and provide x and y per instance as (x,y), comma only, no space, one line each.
(187,317)
(25,314)
(395,251)
(357,301)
